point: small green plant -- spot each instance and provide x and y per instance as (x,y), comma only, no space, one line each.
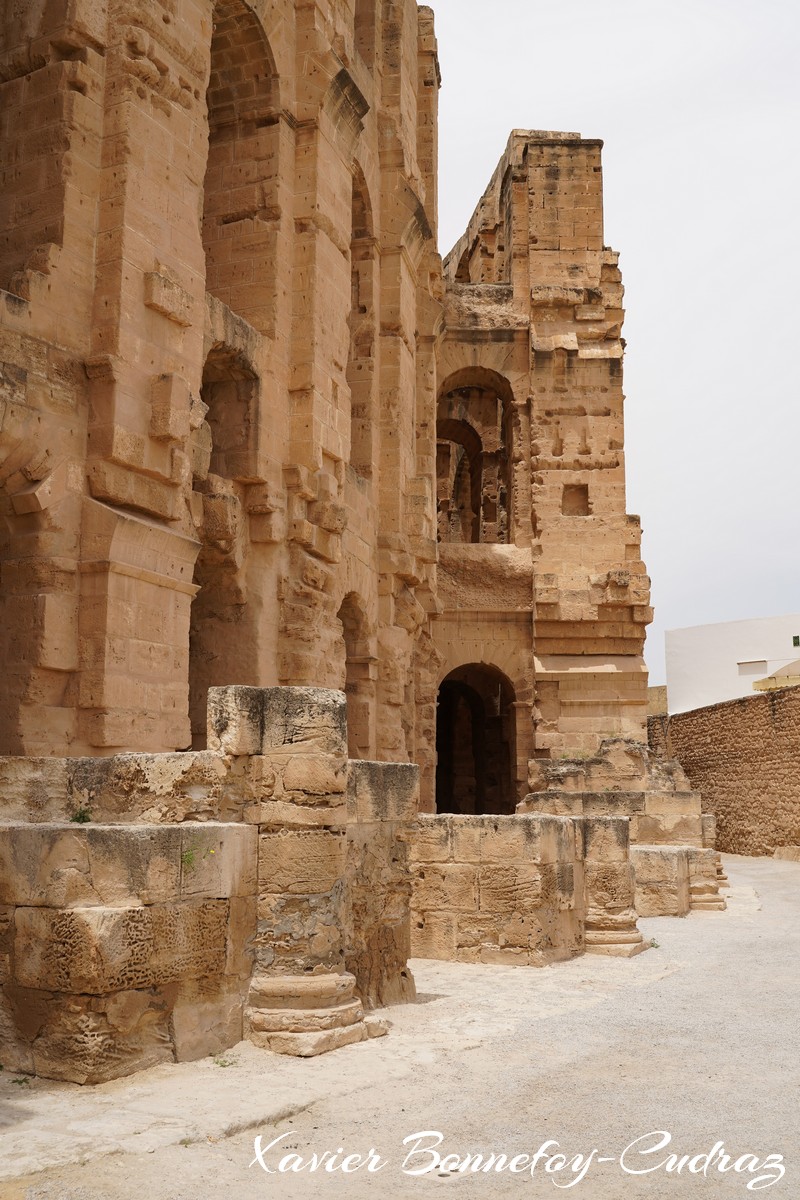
(189,857)
(185,1142)
(654,943)
(22,1080)
(82,815)
(221,1061)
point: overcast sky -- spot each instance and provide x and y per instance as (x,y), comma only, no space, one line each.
(697,102)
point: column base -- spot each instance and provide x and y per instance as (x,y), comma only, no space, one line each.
(306,1015)
(308,1045)
(624,941)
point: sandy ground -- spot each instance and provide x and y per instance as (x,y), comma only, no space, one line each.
(698,1037)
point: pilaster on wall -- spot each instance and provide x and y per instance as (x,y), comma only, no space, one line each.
(133,623)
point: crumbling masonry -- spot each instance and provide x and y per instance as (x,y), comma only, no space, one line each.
(305,533)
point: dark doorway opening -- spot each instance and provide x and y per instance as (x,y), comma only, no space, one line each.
(475,748)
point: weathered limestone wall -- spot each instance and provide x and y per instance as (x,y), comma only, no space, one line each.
(672,880)
(160,907)
(217,242)
(521,890)
(382,804)
(744,758)
(622,779)
(123,947)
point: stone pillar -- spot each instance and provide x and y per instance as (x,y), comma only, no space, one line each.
(704,880)
(609,882)
(709,823)
(292,743)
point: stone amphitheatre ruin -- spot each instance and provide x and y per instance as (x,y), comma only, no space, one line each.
(323,618)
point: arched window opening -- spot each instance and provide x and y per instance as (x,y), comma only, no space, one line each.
(475,742)
(458,472)
(220,643)
(240,189)
(473,463)
(358,687)
(361,357)
(230,393)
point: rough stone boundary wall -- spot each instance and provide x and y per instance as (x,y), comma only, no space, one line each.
(744,757)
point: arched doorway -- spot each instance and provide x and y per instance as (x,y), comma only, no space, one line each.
(475,743)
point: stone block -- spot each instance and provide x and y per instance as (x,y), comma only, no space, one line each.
(510,889)
(605,839)
(609,885)
(466,835)
(170,404)
(430,840)
(382,791)
(677,829)
(218,861)
(86,1039)
(433,935)
(206,1020)
(510,839)
(301,862)
(101,950)
(248,720)
(662,880)
(315,774)
(447,887)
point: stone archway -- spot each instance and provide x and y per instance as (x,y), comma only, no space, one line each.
(475,742)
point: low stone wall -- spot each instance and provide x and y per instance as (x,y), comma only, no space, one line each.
(160,907)
(123,947)
(744,758)
(525,890)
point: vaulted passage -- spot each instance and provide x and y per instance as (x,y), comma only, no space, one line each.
(475,742)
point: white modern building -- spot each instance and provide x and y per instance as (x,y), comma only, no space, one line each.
(707,664)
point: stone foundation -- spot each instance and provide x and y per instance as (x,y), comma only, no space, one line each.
(159,907)
(671,881)
(521,890)
(625,779)
(123,947)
